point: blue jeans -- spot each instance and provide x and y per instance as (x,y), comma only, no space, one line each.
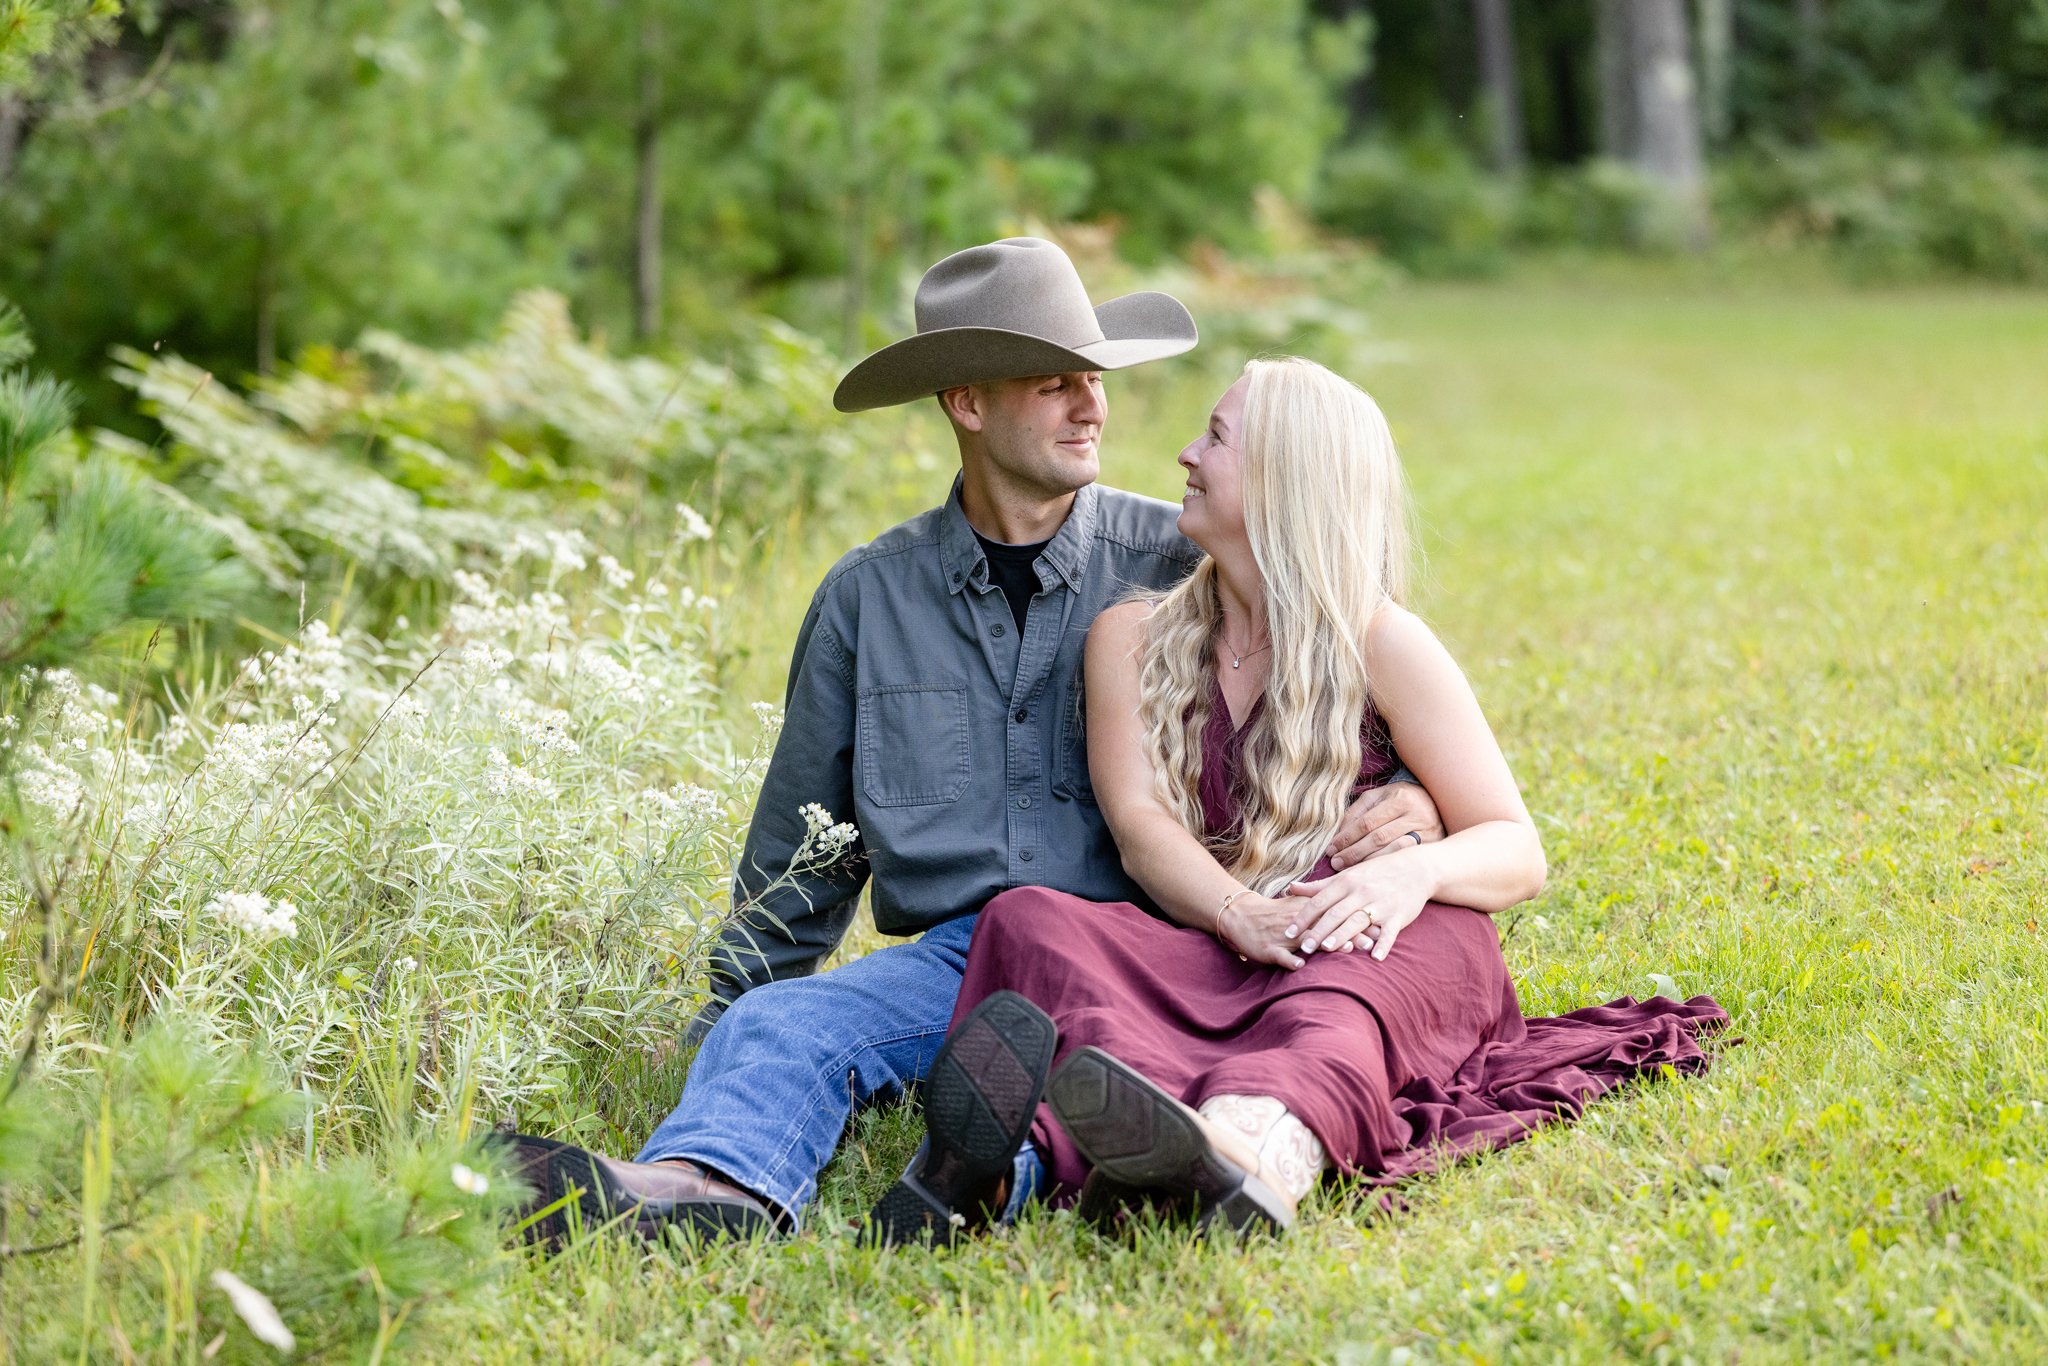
(789,1062)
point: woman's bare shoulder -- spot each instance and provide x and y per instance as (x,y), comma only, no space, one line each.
(1116,634)
(1398,641)
(1121,622)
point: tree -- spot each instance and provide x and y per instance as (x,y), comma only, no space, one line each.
(88,548)
(1500,85)
(40,44)
(1650,107)
(341,163)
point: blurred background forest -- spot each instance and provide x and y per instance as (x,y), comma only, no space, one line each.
(295,197)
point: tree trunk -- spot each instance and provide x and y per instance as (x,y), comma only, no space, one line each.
(863,58)
(647,186)
(1617,85)
(1667,121)
(1717,67)
(1807,58)
(1500,85)
(266,301)
(13,113)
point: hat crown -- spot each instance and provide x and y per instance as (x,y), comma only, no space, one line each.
(1020,284)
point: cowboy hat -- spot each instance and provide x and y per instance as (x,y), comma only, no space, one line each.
(1008,310)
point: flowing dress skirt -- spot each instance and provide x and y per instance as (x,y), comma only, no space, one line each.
(1396,1066)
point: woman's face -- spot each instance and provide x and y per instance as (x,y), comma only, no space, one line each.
(1212,509)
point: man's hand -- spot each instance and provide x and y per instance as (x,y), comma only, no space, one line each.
(1381,818)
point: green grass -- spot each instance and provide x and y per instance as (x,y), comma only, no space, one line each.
(1754,586)
(1755,590)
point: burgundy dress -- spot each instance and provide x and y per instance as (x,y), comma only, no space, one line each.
(1394,1065)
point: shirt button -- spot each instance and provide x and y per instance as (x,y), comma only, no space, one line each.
(1022,716)
(996,629)
(1024,854)
(1023,803)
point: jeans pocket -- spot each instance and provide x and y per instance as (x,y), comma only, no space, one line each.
(913,743)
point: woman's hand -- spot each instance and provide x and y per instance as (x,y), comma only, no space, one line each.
(1262,929)
(1366,906)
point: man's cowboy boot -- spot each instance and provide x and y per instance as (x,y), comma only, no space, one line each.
(1137,1135)
(978,1102)
(652,1196)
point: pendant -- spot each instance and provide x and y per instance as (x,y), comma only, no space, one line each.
(1235,662)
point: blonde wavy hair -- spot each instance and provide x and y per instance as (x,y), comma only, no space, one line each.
(1326,512)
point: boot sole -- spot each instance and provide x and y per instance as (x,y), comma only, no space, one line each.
(979,1099)
(1138,1136)
(562,1169)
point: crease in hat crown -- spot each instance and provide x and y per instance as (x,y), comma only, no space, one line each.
(1012,309)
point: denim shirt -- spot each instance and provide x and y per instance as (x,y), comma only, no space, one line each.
(917,712)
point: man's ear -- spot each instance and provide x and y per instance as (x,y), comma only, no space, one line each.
(965,406)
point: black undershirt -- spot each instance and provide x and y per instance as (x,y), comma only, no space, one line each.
(1010,568)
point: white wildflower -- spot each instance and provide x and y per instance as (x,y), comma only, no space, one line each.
(479,661)
(684,804)
(569,550)
(317,664)
(612,679)
(475,587)
(615,574)
(769,715)
(823,837)
(256,914)
(246,754)
(545,731)
(408,716)
(56,789)
(657,589)
(254,1308)
(503,777)
(690,524)
(467,1181)
(407,965)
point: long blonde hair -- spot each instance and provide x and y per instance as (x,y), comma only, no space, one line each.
(1326,512)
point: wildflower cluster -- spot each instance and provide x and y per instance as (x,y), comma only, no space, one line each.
(255,914)
(513,833)
(824,838)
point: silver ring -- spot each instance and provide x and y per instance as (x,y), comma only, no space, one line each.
(1415,835)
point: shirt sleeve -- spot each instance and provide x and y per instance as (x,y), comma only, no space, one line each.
(785,924)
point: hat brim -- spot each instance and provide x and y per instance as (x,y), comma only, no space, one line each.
(1135,328)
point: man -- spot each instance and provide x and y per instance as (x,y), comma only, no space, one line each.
(934,699)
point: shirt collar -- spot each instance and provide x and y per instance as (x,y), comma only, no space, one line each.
(1067,553)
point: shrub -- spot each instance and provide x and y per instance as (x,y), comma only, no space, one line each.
(1423,202)
(1893,215)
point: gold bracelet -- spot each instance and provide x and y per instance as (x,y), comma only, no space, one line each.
(1224,909)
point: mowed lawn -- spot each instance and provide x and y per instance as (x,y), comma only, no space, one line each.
(1754,587)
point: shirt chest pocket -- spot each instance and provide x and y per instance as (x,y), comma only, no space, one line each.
(912,739)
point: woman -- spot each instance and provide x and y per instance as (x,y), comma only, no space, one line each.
(1292,1017)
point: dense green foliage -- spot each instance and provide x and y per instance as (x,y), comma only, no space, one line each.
(235,179)
(89,549)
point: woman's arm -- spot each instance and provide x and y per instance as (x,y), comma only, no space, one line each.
(1159,853)
(1490,858)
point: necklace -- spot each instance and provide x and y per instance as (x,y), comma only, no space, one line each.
(1237,659)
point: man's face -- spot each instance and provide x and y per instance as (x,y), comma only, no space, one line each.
(1042,433)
